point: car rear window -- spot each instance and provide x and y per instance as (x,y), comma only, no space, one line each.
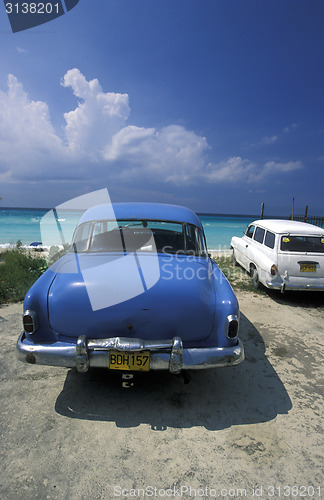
(269,239)
(259,234)
(139,235)
(311,244)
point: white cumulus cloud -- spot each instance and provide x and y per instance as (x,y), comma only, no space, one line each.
(27,136)
(171,153)
(99,140)
(237,169)
(96,119)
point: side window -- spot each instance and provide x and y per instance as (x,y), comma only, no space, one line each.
(190,238)
(259,234)
(250,231)
(99,228)
(269,240)
(81,237)
(200,241)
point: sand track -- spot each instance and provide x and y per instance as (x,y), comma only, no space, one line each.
(72,436)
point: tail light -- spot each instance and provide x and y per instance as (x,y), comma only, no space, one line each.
(273,270)
(30,321)
(232,326)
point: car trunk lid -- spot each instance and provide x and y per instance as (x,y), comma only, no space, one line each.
(177,297)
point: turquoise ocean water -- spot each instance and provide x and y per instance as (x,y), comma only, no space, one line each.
(219,229)
(24,224)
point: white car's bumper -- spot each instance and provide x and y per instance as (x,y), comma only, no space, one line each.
(297,284)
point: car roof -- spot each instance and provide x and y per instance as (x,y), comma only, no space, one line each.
(282,226)
(149,211)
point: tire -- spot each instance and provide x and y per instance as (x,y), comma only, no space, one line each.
(255,278)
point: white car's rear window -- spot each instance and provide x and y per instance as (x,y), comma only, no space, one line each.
(311,244)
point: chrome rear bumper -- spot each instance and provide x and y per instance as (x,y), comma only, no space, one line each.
(314,287)
(164,355)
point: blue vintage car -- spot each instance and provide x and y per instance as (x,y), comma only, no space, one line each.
(137,291)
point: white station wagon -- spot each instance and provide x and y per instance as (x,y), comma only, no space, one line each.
(282,254)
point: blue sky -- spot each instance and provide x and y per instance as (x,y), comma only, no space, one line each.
(217,105)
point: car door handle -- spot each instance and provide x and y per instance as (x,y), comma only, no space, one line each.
(246,246)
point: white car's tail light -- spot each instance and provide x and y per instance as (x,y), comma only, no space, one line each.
(30,321)
(273,270)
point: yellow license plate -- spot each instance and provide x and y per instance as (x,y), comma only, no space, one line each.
(308,268)
(130,361)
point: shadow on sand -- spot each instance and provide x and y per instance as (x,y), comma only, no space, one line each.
(306,299)
(216,399)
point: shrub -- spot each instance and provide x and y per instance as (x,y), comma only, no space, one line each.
(18,271)
(55,253)
(238,277)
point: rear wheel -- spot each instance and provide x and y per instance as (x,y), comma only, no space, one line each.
(255,277)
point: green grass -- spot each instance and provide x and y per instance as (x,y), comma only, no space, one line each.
(238,277)
(18,271)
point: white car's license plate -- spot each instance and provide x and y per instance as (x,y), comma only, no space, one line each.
(308,268)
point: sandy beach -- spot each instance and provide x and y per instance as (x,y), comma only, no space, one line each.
(255,428)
